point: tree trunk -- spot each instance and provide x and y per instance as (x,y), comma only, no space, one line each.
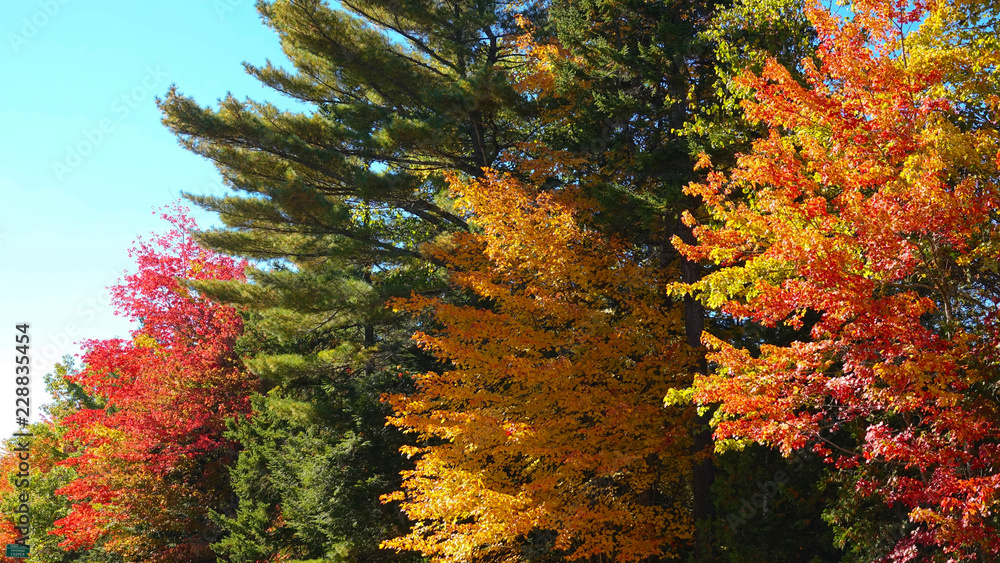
(703,472)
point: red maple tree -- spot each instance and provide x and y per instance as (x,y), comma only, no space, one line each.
(867,218)
(154,458)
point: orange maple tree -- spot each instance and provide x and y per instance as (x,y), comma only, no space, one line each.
(868,219)
(545,430)
(154,459)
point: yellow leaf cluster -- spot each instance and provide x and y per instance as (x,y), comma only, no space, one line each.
(550,418)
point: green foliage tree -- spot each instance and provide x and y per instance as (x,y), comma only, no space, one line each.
(316,456)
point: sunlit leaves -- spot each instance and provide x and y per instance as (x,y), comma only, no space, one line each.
(153,454)
(868,208)
(548,417)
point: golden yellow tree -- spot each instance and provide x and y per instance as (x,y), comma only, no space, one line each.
(546,430)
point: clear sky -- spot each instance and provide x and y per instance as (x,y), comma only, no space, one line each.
(84,159)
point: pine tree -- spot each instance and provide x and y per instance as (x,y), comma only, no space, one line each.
(336,202)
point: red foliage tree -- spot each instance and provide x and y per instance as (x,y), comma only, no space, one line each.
(154,458)
(868,217)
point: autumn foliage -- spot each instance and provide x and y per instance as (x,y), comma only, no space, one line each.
(473,228)
(867,218)
(154,458)
(547,419)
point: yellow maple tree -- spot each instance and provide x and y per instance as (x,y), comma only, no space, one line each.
(546,429)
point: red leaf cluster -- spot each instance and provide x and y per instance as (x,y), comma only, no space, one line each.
(154,457)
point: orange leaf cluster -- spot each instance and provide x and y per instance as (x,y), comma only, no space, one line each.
(870,208)
(548,418)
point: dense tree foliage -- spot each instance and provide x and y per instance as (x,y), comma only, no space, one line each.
(549,420)
(870,215)
(47,448)
(154,458)
(455,283)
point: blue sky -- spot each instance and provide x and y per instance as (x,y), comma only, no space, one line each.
(84,159)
